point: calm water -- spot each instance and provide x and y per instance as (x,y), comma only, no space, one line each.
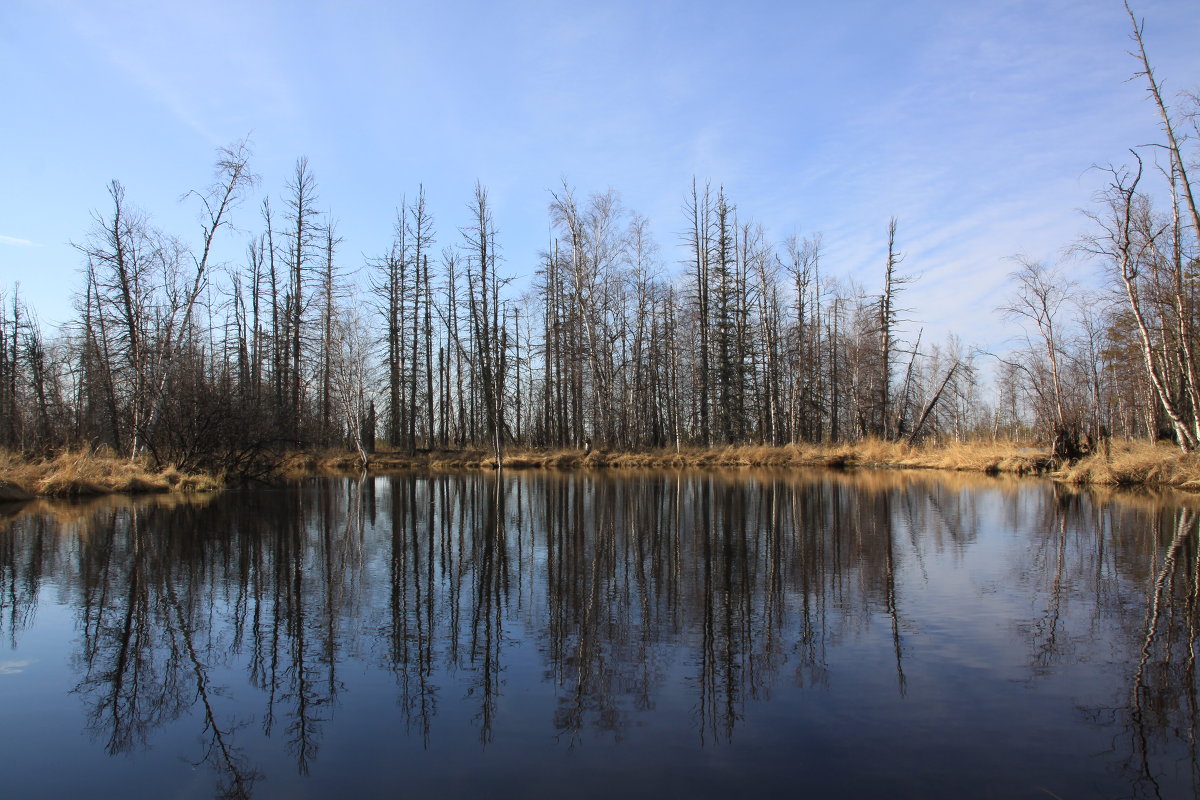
(543,635)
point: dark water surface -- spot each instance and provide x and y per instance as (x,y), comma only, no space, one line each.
(577,635)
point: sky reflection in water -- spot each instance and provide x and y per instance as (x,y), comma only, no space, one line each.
(680,635)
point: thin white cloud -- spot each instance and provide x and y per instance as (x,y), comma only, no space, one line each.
(167,51)
(101,32)
(17,242)
(13,667)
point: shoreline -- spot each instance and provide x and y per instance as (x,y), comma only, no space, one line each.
(75,474)
(1130,464)
(1127,463)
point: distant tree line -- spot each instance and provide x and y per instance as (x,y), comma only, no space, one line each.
(731,339)
(214,365)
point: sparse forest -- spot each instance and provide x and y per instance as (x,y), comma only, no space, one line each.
(723,336)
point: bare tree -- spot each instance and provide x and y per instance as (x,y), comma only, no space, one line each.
(302,240)
(889,318)
(1039,297)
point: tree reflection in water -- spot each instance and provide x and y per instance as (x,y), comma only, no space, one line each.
(1134,565)
(241,612)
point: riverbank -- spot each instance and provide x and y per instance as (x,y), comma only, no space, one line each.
(1126,463)
(78,474)
(86,473)
(1007,457)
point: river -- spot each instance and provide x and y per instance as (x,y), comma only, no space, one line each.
(658,634)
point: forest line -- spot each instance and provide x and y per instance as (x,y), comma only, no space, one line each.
(223,367)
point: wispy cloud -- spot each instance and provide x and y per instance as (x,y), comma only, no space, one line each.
(166,51)
(17,242)
(101,32)
(13,667)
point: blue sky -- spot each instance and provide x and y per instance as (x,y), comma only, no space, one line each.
(974,123)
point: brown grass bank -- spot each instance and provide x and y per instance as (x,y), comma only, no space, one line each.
(75,474)
(869,453)
(1137,464)
(1124,464)
(995,457)
(86,473)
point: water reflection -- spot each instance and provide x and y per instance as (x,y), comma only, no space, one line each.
(245,614)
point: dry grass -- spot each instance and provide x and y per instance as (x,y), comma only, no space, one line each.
(990,457)
(1000,457)
(1129,463)
(1137,464)
(84,473)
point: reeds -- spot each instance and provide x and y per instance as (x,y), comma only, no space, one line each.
(1008,457)
(1137,464)
(1125,464)
(81,473)
(976,457)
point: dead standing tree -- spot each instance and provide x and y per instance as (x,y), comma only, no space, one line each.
(388,275)
(302,242)
(350,377)
(1132,239)
(889,319)
(232,177)
(118,250)
(330,288)
(1129,240)
(146,295)
(1039,297)
(489,343)
(419,226)
(699,211)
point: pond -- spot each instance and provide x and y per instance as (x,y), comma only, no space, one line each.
(540,634)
